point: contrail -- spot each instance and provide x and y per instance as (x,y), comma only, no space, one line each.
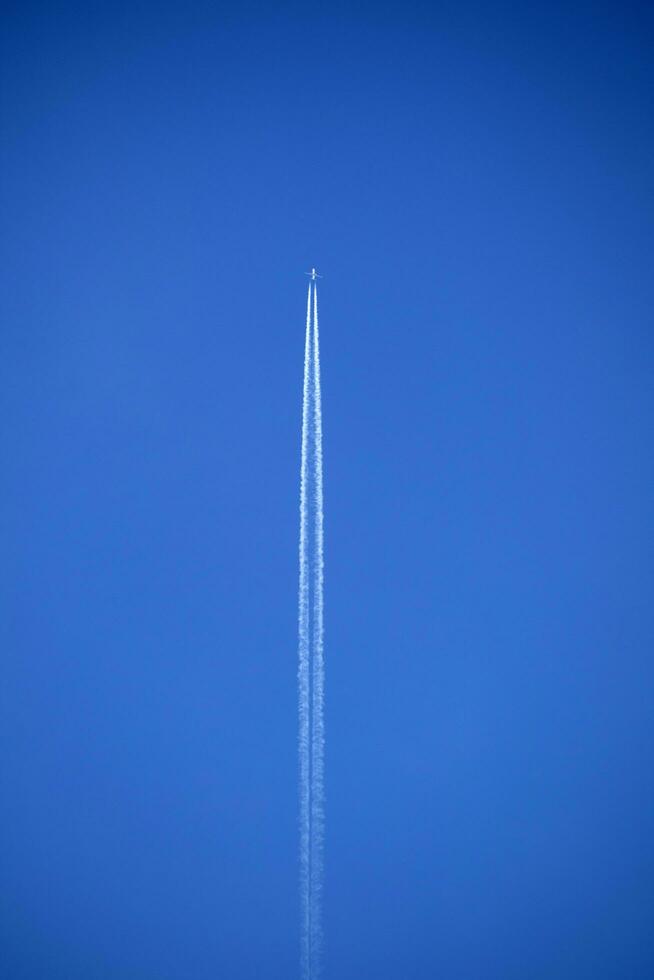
(303,670)
(318,674)
(311,669)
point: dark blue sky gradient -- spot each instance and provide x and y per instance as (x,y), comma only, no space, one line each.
(476,183)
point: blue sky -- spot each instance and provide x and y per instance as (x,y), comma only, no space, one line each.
(475,183)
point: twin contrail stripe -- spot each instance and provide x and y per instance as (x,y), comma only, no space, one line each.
(304,704)
(318,666)
(311,666)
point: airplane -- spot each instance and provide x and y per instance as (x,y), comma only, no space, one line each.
(314,275)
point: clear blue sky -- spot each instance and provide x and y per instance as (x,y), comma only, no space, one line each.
(475,182)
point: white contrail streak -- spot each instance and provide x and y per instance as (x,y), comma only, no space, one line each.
(311,668)
(303,670)
(318,672)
